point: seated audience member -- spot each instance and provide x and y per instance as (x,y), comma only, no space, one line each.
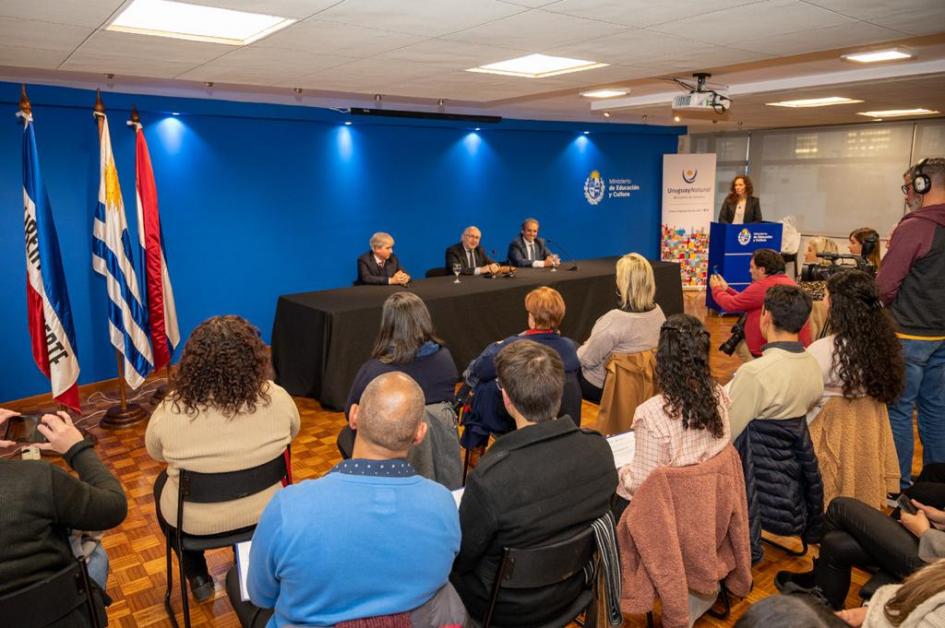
(528,249)
(541,483)
(545,307)
(865,242)
(470,255)
(380,266)
(788,611)
(40,505)
(858,535)
(862,355)
(632,327)
(785,382)
(406,342)
(371,537)
(919,602)
(687,423)
(223,413)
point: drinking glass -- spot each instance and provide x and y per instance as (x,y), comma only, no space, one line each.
(457,269)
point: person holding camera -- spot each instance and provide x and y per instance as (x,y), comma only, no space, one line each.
(42,504)
(912,285)
(767,270)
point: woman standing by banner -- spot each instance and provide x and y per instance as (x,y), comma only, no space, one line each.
(740,205)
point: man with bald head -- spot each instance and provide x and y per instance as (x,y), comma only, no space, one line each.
(470,255)
(371,537)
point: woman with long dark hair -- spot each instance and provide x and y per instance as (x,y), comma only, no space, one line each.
(865,242)
(407,342)
(861,334)
(223,413)
(687,422)
(741,205)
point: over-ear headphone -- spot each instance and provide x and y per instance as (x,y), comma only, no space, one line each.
(869,243)
(921,183)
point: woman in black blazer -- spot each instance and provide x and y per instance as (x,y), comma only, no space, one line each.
(741,193)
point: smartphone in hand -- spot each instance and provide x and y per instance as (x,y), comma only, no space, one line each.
(905,504)
(22,429)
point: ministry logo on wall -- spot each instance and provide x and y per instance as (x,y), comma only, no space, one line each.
(596,188)
(689,175)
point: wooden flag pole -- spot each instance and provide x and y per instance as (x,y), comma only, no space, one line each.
(124,414)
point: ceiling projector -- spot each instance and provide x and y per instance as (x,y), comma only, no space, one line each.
(700,99)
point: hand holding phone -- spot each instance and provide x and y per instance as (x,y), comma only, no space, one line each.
(905,504)
(21,429)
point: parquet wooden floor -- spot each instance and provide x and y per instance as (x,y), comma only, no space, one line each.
(136,547)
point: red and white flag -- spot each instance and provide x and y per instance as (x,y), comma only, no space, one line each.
(162,312)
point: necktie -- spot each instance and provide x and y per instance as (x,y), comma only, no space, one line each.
(531,251)
(472,258)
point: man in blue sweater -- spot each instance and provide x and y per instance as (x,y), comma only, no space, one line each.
(371,538)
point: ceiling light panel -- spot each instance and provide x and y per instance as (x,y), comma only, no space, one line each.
(877,56)
(898,113)
(537,66)
(604,93)
(180,20)
(814,102)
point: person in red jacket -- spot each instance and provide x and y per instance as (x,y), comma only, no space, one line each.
(767,269)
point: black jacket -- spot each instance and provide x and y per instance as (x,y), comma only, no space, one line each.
(39,503)
(518,254)
(752,211)
(535,485)
(369,273)
(782,479)
(457,254)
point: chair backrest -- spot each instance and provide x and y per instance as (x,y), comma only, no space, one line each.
(50,599)
(855,450)
(210,488)
(546,565)
(437,271)
(630,381)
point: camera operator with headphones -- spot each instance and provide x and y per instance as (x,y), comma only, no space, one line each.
(912,284)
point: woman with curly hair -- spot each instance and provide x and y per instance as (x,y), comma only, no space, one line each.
(223,413)
(687,423)
(860,331)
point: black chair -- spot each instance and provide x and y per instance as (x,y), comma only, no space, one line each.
(210,488)
(49,600)
(437,271)
(549,565)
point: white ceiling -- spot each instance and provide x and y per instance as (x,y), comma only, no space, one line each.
(415,52)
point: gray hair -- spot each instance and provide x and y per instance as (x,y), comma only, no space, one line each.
(380,239)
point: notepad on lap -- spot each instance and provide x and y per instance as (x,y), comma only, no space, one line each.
(242,567)
(622,445)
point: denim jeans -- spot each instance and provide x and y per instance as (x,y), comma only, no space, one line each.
(924,388)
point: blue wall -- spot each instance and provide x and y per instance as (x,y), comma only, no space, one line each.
(262,200)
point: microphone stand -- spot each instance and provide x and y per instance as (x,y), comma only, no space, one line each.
(563,250)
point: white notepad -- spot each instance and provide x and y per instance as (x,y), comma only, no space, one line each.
(623,446)
(242,567)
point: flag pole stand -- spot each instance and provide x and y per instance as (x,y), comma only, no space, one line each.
(124,414)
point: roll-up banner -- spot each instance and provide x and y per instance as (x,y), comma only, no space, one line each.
(688,210)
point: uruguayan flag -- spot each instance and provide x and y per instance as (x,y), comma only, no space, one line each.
(112,258)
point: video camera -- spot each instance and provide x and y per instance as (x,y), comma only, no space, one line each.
(833,265)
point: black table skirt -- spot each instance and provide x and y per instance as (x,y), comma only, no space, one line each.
(320,339)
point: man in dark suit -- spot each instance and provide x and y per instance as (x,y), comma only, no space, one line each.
(469,254)
(379,266)
(530,250)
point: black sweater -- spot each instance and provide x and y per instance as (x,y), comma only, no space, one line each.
(40,503)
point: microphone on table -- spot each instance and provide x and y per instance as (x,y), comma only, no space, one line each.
(563,250)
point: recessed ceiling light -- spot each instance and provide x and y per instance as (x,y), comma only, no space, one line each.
(876,56)
(537,66)
(180,20)
(604,93)
(814,102)
(676,118)
(897,113)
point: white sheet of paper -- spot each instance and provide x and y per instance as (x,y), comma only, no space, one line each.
(242,567)
(458,495)
(622,445)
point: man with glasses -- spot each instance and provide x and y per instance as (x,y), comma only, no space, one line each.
(912,285)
